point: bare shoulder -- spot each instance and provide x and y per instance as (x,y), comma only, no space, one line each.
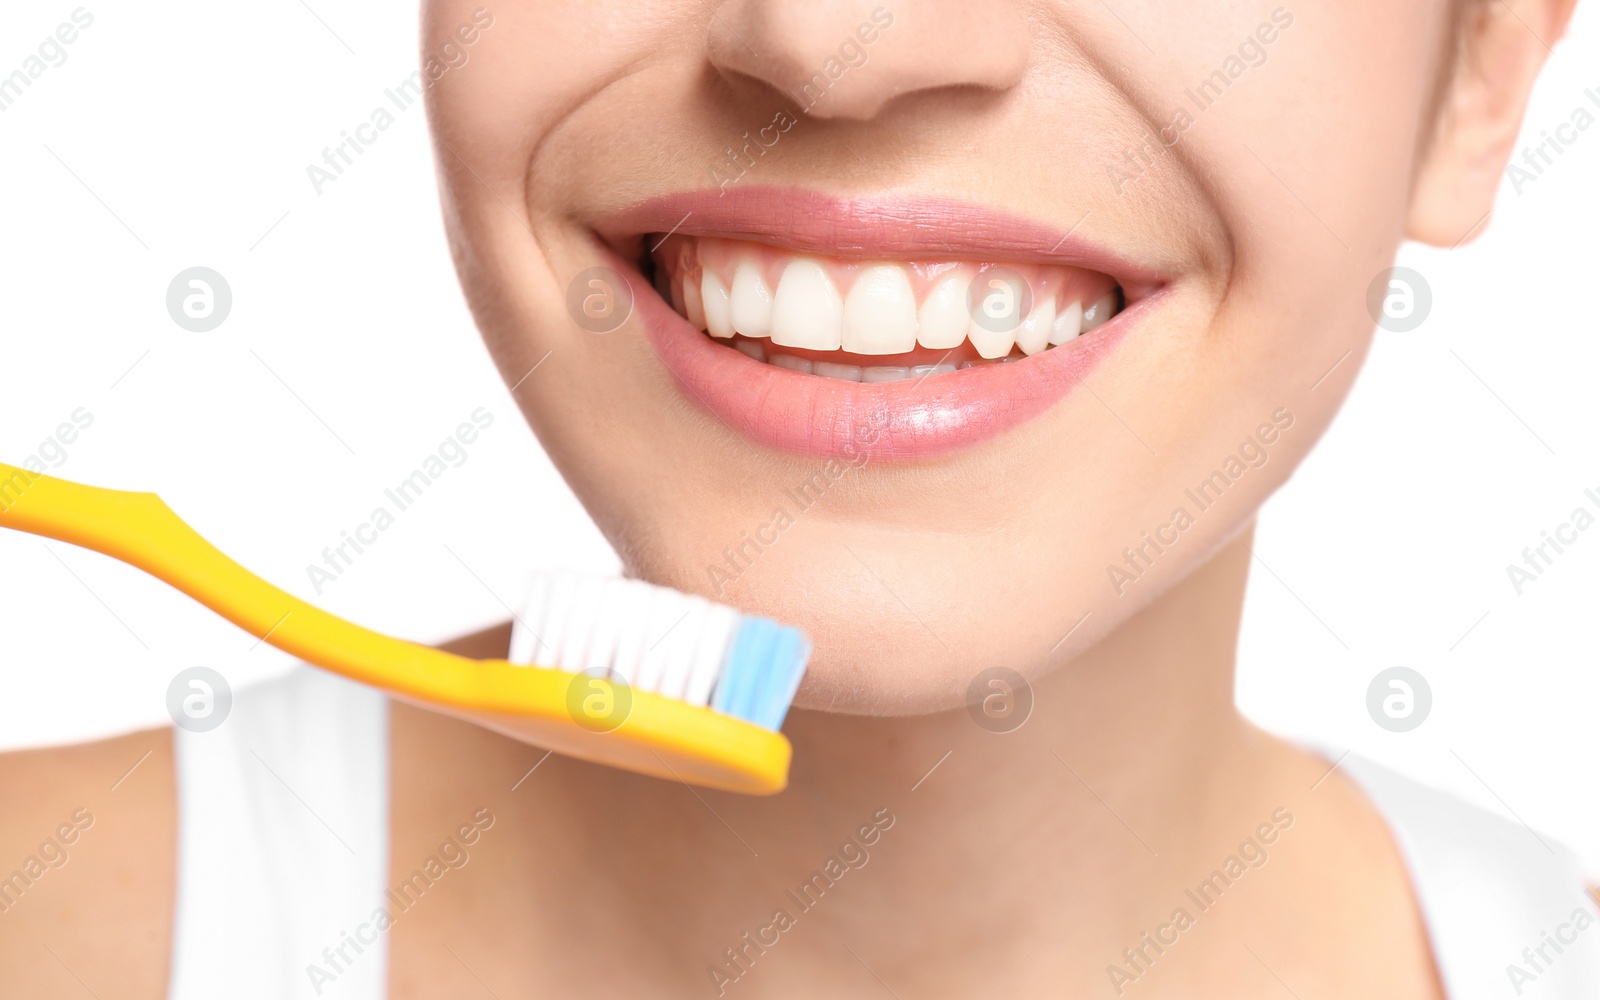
(1343,885)
(88,838)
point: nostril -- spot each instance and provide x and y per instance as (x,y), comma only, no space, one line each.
(849,60)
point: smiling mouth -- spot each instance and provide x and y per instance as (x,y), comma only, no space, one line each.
(902,327)
(875,321)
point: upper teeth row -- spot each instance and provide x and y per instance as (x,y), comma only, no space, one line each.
(880,315)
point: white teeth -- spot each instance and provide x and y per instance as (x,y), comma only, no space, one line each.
(1067,324)
(923,371)
(1100,311)
(880,313)
(850,373)
(750,301)
(1000,305)
(790,362)
(884,373)
(942,320)
(714,300)
(1033,335)
(806,310)
(693,311)
(879,316)
(990,343)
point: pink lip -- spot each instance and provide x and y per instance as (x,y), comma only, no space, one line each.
(912,419)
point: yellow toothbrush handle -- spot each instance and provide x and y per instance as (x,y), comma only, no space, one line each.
(660,735)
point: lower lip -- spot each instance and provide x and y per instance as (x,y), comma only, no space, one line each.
(911,419)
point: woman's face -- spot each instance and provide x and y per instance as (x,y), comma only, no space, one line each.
(868,190)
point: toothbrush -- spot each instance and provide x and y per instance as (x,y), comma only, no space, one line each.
(628,674)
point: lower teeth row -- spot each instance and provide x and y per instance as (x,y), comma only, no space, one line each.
(857,373)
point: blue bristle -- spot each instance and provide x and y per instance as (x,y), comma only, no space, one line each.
(749,655)
(764,630)
(790,653)
(755,706)
(740,670)
(762,672)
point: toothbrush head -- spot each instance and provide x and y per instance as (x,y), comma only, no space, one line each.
(661,640)
(710,684)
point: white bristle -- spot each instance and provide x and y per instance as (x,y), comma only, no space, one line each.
(681,643)
(667,607)
(525,638)
(582,621)
(631,614)
(652,638)
(709,653)
(603,631)
(557,614)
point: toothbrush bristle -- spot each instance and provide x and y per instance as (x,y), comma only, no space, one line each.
(680,640)
(661,640)
(631,609)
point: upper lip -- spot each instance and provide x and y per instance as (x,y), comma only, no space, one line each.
(869,226)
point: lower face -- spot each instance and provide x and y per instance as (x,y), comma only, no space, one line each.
(963,383)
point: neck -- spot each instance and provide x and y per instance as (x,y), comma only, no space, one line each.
(1148,711)
(1081,826)
(1120,784)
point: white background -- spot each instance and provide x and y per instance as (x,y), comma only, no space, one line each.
(179,135)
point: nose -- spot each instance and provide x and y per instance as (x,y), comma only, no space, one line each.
(849,58)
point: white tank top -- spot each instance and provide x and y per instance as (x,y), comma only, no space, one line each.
(283,838)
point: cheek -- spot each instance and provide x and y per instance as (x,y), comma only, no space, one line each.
(1305,156)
